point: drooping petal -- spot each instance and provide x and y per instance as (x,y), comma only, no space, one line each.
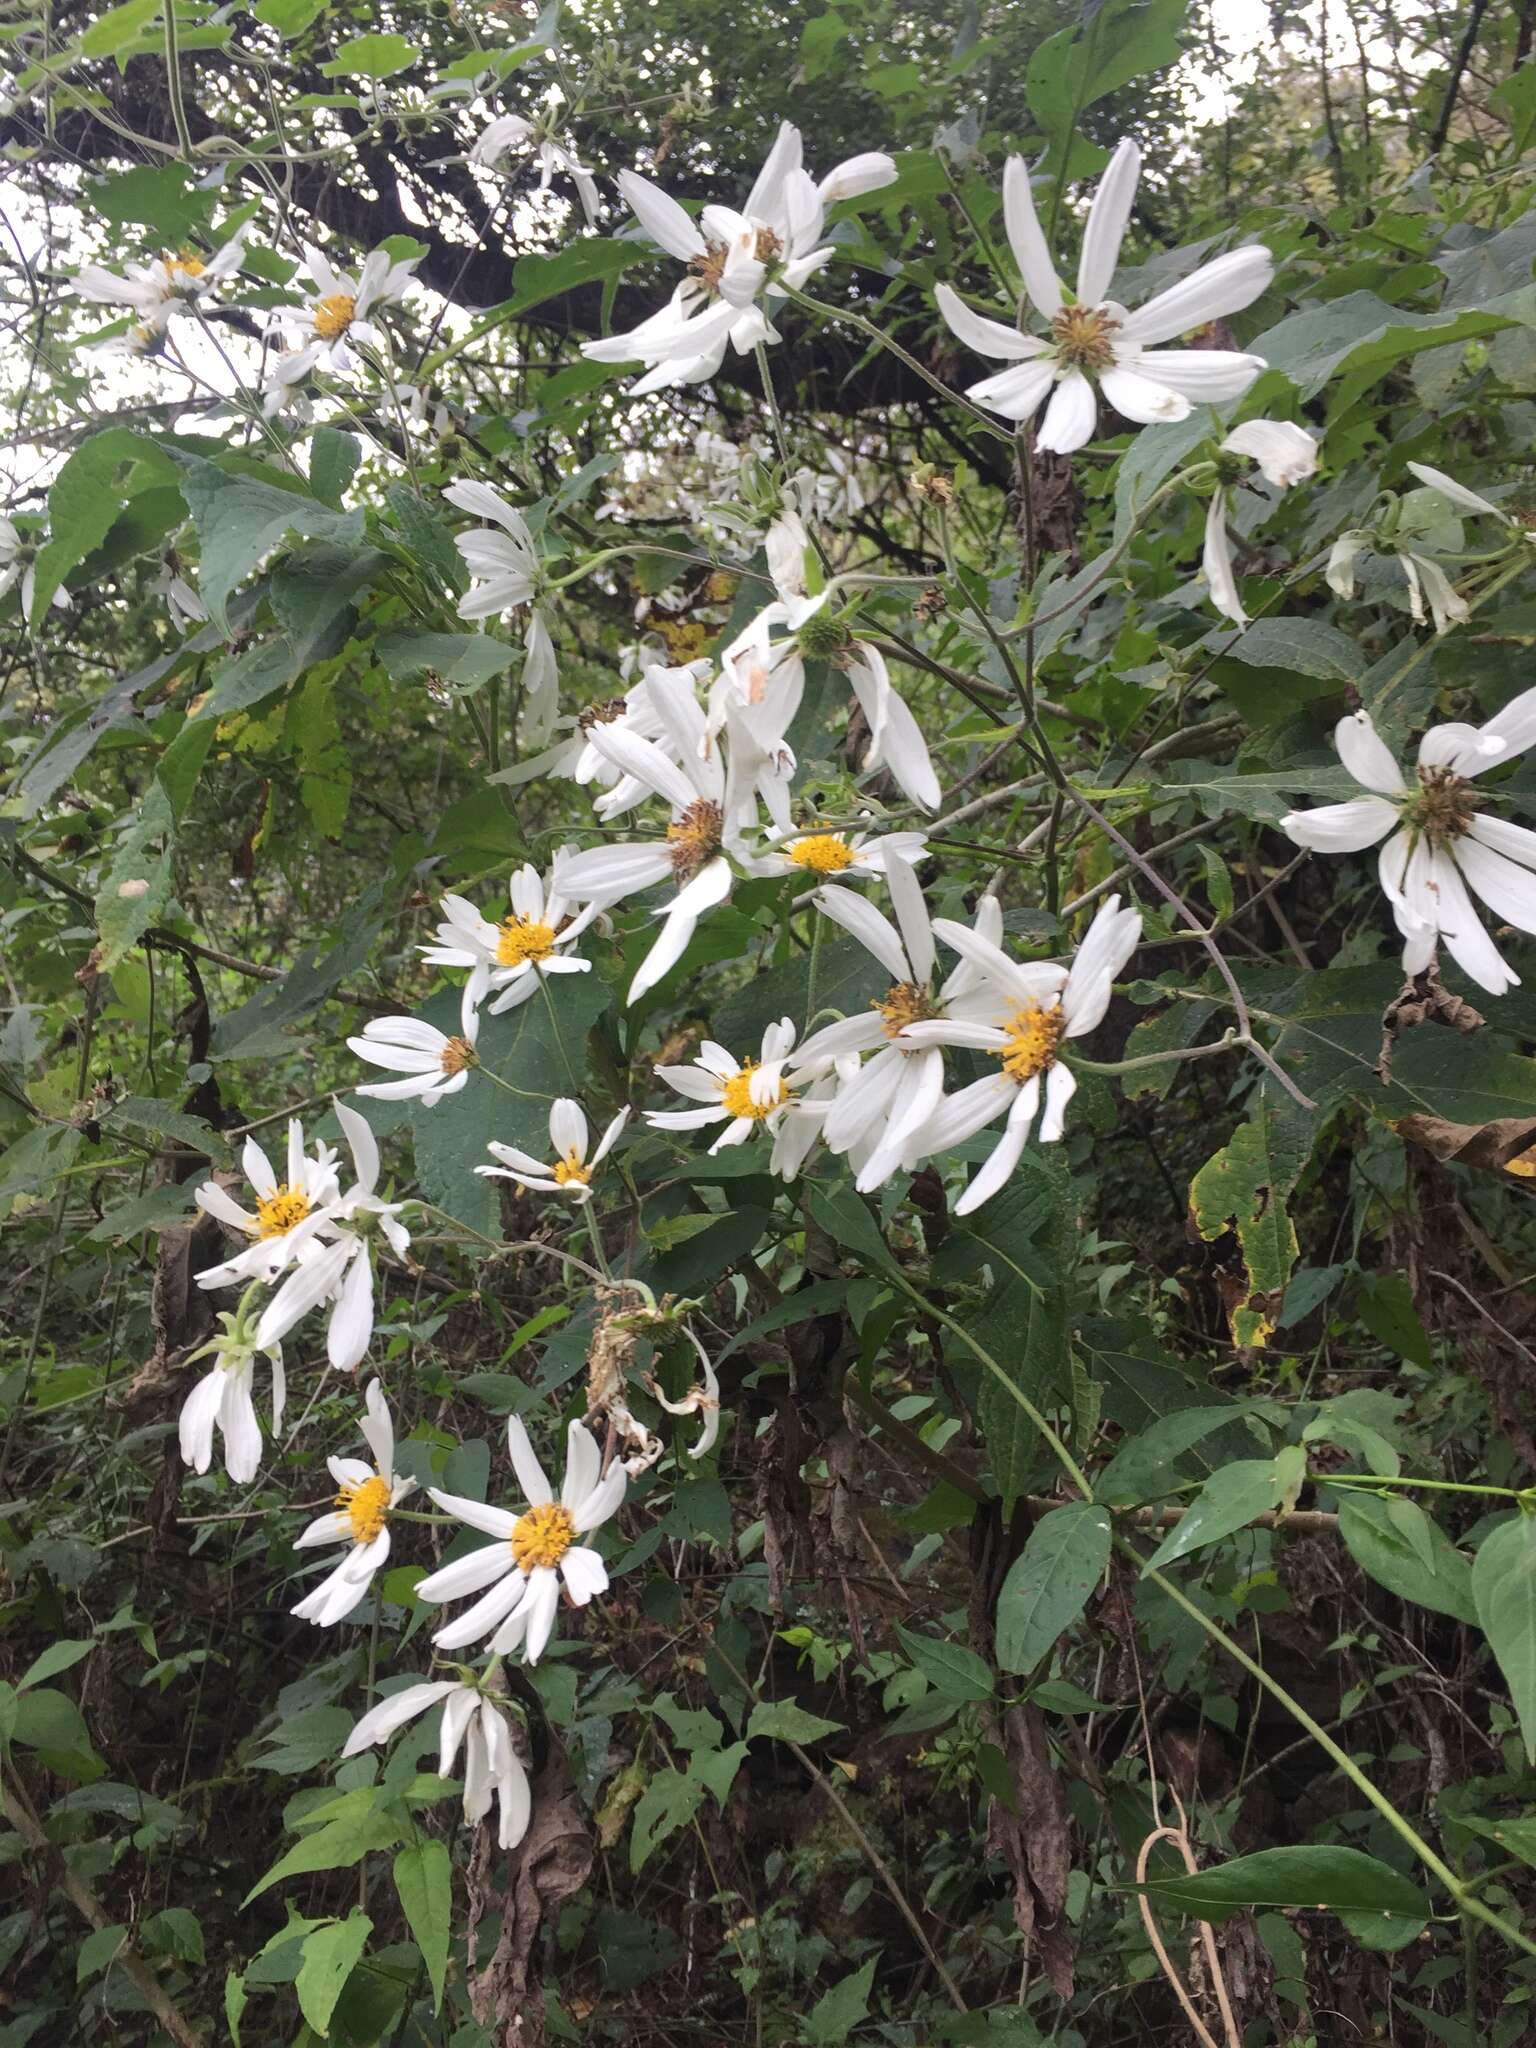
(1019,393)
(1216,561)
(1071,416)
(1462,931)
(1341,828)
(986,336)
(1508,889)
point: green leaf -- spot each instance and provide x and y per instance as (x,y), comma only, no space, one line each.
(338,1845)
(1516,1836)
(85,499)
(787,1721)
(1228,1501)
(50,1720)
(1375,1539)
(838,2011)
(849,1221)
(1385,1305)
(241,518)
(174,1932)
(1050,1582)
(1310,647)
(56,1658)
(235,2000)
(164,197)
(1329,1879)
(370,57)
(289,17)
(1077,67)
(119,26)
(1504,1590)
(1245,1186)
(330,1955)
(333,461)
(1362,335)
(98,1951)
(466,660)
(949,1667)
(424,1880)
(668,1803)
(716,1769)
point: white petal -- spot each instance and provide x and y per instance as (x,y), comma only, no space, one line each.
(530,1473)
(1017,393)
(1463,933)
(469,1574)
(873,930)
(1060,1087)
(584,1573)
(478,1514)
(1071,416)
(1366,754)
(987,337)
(1508,889)
(1108,218)
(1341,828)
(380,1722)
(1226,285)
(1027,241)
(351,1324)
(583,1465)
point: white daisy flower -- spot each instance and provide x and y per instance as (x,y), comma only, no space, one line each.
(432,1063)
(1440,842)
(738,263)
(713,789)
(511,135)
(365,1497)
(470,1717)
(746,1098)
(221,1401)
(569,1137)
(176,279)
(288,1212)
(535,1554)
(338,1268)
(1020,1012)
(882,1106)
(1094,340)
(531,940)
(337,317)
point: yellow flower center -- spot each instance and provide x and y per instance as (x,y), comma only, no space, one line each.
(186,263)
(334,314)
(1082,337)
(906,1002)
(737,1095)
(456,1055)
(824,853)
(570,1169)
(694,837)
(1033,1035)
(542,1537)
(523,938)
(277,1213)
(366,1506)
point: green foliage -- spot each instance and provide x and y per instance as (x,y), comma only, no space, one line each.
(1184,1480)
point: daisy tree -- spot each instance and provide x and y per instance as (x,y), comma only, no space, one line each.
(767,875)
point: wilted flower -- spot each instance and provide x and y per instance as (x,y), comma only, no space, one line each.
(470,1717)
